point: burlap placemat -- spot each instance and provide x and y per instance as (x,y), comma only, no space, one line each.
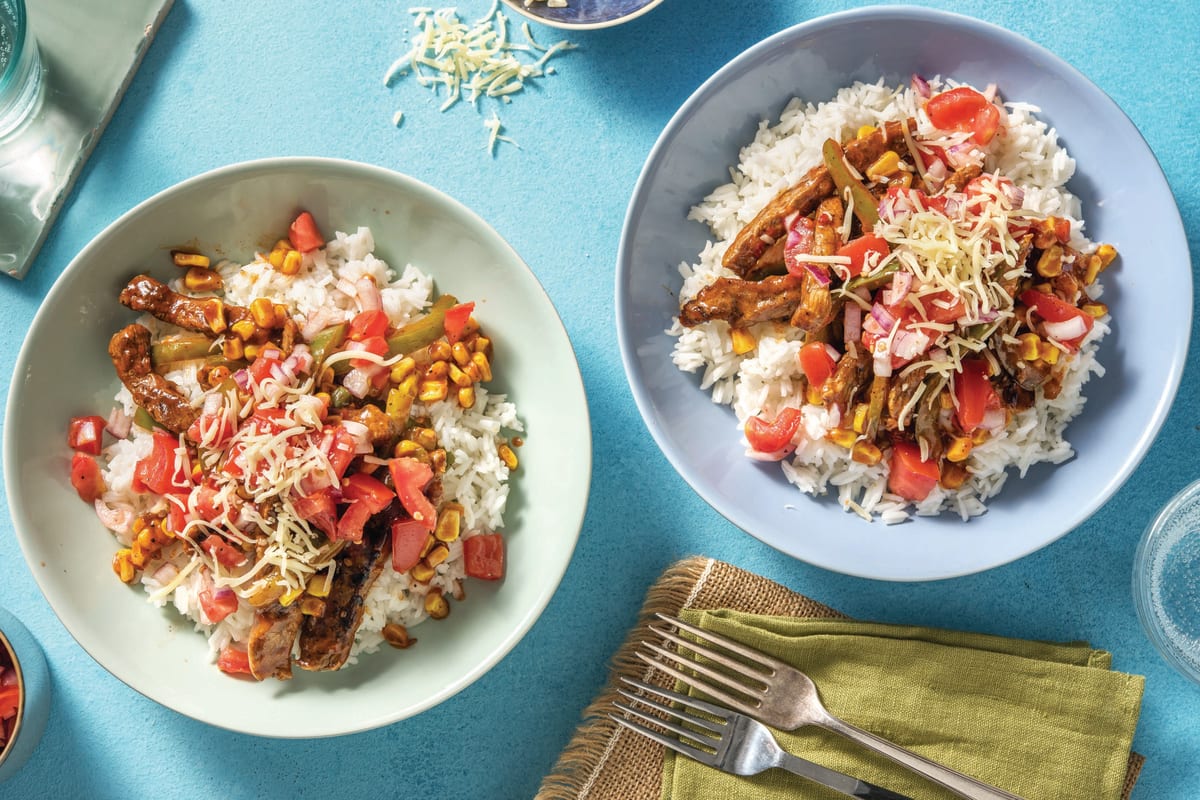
(604,761)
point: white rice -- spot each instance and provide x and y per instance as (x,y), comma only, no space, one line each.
(763,380)
(476,476)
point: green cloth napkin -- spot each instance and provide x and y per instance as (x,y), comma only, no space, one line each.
(1045,721)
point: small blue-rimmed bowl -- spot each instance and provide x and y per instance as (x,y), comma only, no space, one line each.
(582,14)
(33,701)
(1166,582)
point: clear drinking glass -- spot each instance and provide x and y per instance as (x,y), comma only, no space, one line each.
(20,67)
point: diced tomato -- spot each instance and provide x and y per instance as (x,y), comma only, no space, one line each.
(225,554)
(9,696)
(456,320)
(214,430)
(162,472)
(217,603)
(973,393)
(483,556)
(318,508)
(408,540)
(1054,309)
(86,434)
(86,477)
(409,478)
(304,234)
(909,476)
(817,362)
(964,109)
(177,511)
(371,492)
(260,368)
(341,450)
(350,526)
(233,661)
(205,496)
(771,437)
(861,249)
(1062,229)
(376,345)
(367,324)
(942,307)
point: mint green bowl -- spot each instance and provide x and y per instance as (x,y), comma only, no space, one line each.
(33,704)
(64,370)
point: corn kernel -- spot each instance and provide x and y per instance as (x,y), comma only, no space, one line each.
(312,606)
(422,573)
(903,180)
(291,263)
(137,556)
(202,279)
(887,164)
(290,596)
(145,539)
(251,351)
(458,377)
(402,369)
(460,354)
(466,397)
(865,452)
(743,341)
(433,391)
(406,448)
(812,395)
(437,555)
(1107,254)
(232,348)
(396,635)
(244,329)
(1029,347)
(865,131)
(1091,269)
(183,259)
(980,435)
(507,456)
(842,437)
(1096,310)
(218,375)
(437,370)
(263,312)
(276,256)
(449,523)
(440,351)
(860,418)
(436,605)
(953,476)
(140,523)
(485,369)
(483,345)
(1049,353)
(959,449)
(430,541)
(426,437)
(123,566)
(1049,263)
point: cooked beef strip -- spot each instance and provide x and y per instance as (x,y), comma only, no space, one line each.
(827,226)
(816,308)
(741,302)
(271,639)
(961,177)
(325,641)
(767,227)
(205,314)
(900,394)
(129,349)
(380,427)
(847,379)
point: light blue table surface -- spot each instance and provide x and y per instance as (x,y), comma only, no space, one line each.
(227,81)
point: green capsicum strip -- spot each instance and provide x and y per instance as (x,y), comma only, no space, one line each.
(180,348)
(865,207)
(424,331)
(327,341)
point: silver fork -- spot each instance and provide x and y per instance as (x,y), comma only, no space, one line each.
(732,743)
(783,697)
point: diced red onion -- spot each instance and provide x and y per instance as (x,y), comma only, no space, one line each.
(1068,329)
(314,323)
(989,93)
(212,404)
(357,382)
(993,420)
(222,593)
(165,573)
(960,155)
(921,86)
(883,364)
(901,284)
(819,273)
(1014,193)
(832,351)
(881,316)
(909,343)
(242,379)
(118,423)
(369,297)
(778,455)
(799,243)
(852,322)
(117,518)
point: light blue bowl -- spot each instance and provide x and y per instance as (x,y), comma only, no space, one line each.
(583,14)
(33,708)
(1126,201)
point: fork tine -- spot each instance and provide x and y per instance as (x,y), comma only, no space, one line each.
(762,659)
(666,741)
(700,737)
(691,702)
(739,670)
(712,690)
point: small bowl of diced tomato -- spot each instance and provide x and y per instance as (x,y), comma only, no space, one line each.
(24,694)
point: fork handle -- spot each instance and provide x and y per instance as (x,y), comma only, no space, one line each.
(962,785)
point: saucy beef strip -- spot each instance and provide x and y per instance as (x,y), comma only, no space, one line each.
(761,233)
(129,349)
(272,636)
(381,428)
(961,177)
(847,379)
(817,309)
(325,641)
(900,394)
(208,315)
(741,302)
